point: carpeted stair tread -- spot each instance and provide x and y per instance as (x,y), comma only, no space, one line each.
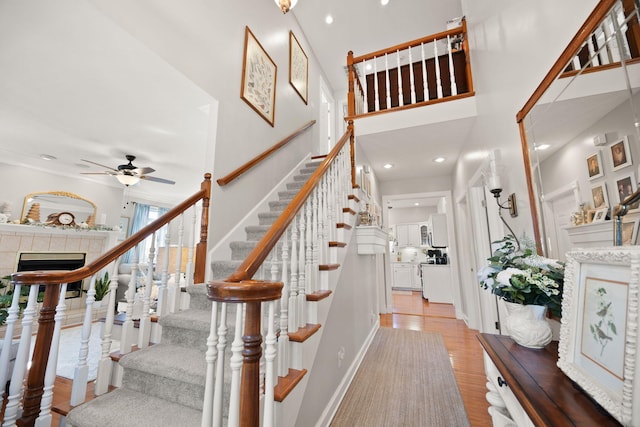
(267,218)
(125,408)
(296,185)
(278,205)
(287,194)
(168,361)
(256,232)
(188,319)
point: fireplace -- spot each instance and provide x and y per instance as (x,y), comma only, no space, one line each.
(32,261)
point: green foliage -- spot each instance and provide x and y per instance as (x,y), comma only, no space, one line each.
(102,286)
(521,276)
(5,300)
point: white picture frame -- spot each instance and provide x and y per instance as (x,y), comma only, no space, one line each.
(620,154)
(626,186)
(599,327)
(600,214)
(594,165)
(599,195)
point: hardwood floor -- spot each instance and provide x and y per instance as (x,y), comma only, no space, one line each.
(410,311)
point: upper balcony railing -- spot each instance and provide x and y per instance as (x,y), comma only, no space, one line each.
(434,68)
(614,42)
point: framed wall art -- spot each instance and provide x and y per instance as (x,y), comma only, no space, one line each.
(599,214)
(298,68)
(594,165)
(625,187)
(620,154)
(630,231)
(258,78)
(599,329)
(599,195)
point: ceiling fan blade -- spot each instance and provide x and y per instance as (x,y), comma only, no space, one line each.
(143,171)
(98,164)
(96,173)
(160,180)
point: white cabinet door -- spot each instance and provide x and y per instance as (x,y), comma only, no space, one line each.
(438,228)
(402,276)
(408,234)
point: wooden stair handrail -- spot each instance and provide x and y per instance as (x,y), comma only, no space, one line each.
(260,157)
(61,276)
(252,263)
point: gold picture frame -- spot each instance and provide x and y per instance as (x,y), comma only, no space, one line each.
(298,68)
(258,78)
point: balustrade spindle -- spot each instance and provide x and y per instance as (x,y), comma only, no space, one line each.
(283,340)
(293,284)
(192,244)
(437,61)
(365,88)
(144,329)
(376,90)
(127,339)
(12,317)
(592,53)
(316,238)
(425,86)
(452,75)
(81,374)
(270,377)
(22,358)
(105,365)
(386,69)
(412,77)
(236,369)
(163,294)
(400,94)
(310,277)
(302,279)
(218,394)
(210,357)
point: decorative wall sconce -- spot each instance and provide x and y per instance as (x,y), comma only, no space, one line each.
(494,183)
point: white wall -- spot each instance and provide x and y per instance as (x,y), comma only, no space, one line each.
(204,41)
(410,215)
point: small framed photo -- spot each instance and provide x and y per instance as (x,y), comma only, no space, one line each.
(599,327)
(599,195)
(625,187)
(591,213)
(258,78)
(620,154)
(594,165)
(630,231)
(298,68)
(600,214)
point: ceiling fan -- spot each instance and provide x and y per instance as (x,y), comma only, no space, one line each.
(128,174)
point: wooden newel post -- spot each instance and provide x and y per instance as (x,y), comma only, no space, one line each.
(201,247)
(352,152)
(351,97)
(250,386)
(35,381)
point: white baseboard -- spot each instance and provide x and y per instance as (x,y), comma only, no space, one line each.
(332,407)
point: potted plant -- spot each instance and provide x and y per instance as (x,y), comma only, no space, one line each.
(529,284)
(5,300)
(101,287)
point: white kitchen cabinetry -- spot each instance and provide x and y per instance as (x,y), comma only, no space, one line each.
(408,235)
(436,283)
(405,276)
(438,230)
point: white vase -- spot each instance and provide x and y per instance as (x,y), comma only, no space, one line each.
(527,325)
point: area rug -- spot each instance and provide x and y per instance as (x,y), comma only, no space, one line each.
(68,355)
(405,379)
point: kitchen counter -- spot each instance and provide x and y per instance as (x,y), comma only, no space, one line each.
(436,283)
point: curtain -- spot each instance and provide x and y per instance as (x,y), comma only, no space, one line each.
(140,219)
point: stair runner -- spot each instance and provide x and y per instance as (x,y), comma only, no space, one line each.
(163,384)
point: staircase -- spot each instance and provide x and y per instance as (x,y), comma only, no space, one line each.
(164,384)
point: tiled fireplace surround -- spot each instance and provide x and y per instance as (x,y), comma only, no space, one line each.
(15,239)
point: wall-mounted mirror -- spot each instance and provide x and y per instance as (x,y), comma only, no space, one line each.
(580,135)
(38,207)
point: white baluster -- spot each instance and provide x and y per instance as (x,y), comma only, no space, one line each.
(386,68)
(22,359)
(210,357)
(192,243)
(270,377)
(310,276)
(365,87)
(12,317)
(593,55)
(293,284)
(218,395)
(452,74)
(316,238)
(375,85)
(302,283)
(412,78)
(400,91)
(127,338)
(283,341)
(81,373)
(162,305)
(425,87)
(105,366)
(437,61)
(236,367)
(44,417)
(144,327)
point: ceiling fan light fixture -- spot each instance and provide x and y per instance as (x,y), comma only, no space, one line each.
(286,5)
(128,180)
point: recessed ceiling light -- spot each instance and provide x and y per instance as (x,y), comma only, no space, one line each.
(47,157)
(439,159)
(542,147)
(388,166)
(329,19)
(384,2)
(416,204)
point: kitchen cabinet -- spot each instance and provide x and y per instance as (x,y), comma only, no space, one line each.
(405,276)
(438,230)
(436,283)
(408,234)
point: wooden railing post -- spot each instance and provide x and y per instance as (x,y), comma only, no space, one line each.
(351,97)
(465,47)
(201,247)
(35,381)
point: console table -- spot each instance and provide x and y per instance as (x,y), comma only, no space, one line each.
(526,388)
